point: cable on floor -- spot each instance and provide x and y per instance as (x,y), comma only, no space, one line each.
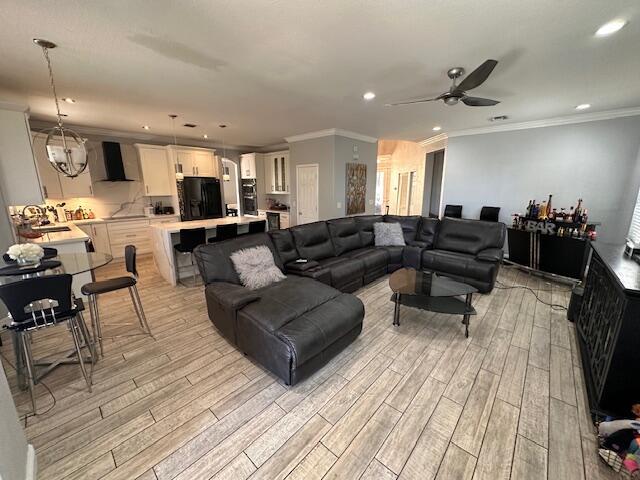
(32,414)
(554,306)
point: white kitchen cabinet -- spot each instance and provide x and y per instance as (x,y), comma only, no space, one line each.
(132,232)
(19,181)
(79,186)
(156,172)
(49,179)
(277,173)
(54,184)
(248,165)
(196,162)
(99,235)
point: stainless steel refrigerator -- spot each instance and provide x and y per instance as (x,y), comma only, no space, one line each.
(200,198)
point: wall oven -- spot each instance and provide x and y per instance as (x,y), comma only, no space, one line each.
(249,196)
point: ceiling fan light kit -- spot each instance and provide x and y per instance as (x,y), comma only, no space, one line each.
(458,93)
(70,158)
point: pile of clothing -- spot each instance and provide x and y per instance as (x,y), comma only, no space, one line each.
(620,446)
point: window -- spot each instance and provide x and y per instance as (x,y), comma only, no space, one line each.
(634,229)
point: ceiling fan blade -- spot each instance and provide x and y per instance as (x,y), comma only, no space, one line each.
(478,76)
(409,102)
(479,102)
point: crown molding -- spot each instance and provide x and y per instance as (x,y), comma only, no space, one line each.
(442,137)
(330,132)
(552,122)
(14,107)
(548,122)
(140,137)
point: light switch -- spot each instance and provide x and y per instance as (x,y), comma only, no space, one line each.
(355,149)
(356,156)
(370,201)
(339,204)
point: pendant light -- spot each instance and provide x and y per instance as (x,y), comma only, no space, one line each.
(178,165)
(66,150)
(225,175)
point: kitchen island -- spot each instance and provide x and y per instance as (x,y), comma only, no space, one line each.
(165,235)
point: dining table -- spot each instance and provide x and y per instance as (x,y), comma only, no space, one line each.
(71,263)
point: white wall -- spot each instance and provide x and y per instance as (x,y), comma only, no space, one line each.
(597,161)
(332,153)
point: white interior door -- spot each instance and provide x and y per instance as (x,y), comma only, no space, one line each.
(307,193)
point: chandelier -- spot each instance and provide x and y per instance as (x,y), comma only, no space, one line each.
(66,150)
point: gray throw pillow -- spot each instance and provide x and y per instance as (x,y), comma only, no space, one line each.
(256,268)
(388,234)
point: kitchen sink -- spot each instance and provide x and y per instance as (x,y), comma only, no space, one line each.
(52,228)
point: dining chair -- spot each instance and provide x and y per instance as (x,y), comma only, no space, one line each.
(490,214)
(190,238)
(453,211)
(225,232)
(41,302)
(94,289)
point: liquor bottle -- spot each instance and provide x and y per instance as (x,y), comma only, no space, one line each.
(542,213)
(553,214)
(578,210)
(571,215)
(549,206)
(562,215)
(585,216)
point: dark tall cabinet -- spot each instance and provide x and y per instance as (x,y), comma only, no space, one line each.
(608,329)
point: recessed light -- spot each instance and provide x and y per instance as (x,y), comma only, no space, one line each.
(146,127)
(205,136)
(611,27)
(437,128)
(583,106)
(369,96)
(69,100)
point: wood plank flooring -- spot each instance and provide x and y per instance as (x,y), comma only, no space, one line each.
(417,401)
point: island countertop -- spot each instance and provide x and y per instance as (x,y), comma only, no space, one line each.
(175,227)
(73,235)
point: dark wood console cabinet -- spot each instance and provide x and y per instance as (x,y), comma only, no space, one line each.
(608,328)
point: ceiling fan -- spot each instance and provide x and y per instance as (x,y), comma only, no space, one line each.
(458,93)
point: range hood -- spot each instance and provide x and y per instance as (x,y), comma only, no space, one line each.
(113,162)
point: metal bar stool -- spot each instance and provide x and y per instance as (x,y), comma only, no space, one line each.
(40,302)
(190,238)
(225,232)
(93,289)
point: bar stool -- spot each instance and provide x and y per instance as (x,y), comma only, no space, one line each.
(258,226)
(225,232)
(93,289)
(190,238)
(40,302)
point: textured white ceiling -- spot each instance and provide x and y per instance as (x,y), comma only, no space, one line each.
(274,68)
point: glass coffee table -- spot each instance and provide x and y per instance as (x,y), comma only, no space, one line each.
(429,291)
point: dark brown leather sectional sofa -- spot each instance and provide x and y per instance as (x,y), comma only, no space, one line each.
(295,326)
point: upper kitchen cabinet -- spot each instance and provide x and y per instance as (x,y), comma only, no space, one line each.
(248,165)
(156,170)
(277,174)
(196,162)
(55,185)
(19,180)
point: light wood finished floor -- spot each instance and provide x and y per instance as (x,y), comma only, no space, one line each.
(415,402)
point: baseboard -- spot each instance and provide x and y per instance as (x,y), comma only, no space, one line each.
(32,464)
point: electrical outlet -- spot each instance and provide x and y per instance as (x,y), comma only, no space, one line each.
(370,201)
